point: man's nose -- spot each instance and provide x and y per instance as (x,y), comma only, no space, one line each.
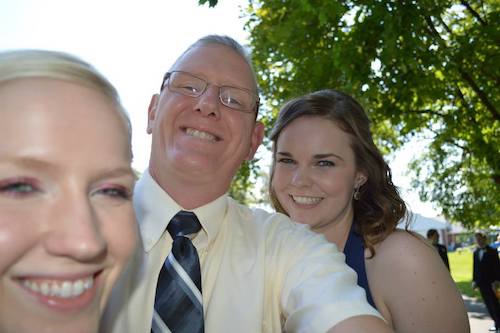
(209,102)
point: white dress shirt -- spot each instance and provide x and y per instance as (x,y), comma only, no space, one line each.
(260,271)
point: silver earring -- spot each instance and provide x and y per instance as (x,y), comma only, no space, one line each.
(356,194)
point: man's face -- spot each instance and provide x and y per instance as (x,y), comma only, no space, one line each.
(481,240)
(198,139)
(434,238)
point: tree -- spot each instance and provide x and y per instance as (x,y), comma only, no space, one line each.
(211,3)
(426,68)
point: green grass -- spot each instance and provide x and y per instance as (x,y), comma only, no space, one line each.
(461,271)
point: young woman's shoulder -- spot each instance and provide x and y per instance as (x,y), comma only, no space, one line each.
(402,240)
(412,287)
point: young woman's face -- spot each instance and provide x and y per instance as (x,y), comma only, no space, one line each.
(67,224)
(315,173)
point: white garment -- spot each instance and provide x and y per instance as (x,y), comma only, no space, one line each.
(260,271)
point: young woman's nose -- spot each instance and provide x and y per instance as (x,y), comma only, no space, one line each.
(301,177)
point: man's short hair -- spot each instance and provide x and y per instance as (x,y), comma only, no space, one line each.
(431,233)
(480,234)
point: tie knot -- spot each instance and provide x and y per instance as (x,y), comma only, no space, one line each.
(183,224)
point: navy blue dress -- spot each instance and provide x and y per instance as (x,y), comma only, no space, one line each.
(354,251)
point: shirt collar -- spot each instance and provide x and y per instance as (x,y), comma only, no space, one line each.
(154,209)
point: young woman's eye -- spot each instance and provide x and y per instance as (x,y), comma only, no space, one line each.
(325,163)
(17,187)
(285,160)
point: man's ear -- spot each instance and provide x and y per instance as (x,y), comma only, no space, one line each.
(257,137)
(153,105)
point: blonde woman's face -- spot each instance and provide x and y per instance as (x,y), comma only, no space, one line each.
(67,224)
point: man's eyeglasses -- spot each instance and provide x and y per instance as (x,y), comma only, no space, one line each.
(189,85)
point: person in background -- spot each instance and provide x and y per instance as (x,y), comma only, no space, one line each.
(328,173)
(433,237)
(209,263)
(486,271)
(496,244)
(67,225)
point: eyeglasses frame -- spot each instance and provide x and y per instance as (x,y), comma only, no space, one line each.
(257,98)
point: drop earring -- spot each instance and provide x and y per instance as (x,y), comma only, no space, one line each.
(356,194)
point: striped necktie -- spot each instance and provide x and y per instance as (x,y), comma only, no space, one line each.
(178,302)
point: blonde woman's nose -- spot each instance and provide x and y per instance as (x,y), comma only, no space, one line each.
(76,231)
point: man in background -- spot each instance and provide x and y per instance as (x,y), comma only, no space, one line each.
(433,237)
(486,271)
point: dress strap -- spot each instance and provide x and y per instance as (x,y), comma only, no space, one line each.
(354,251)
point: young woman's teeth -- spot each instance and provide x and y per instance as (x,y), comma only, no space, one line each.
(63,289)
(200,134)
(306,200)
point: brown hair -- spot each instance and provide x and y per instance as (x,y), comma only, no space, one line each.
(379,208)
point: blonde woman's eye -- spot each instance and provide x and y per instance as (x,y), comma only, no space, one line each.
(118,192)
(18,187)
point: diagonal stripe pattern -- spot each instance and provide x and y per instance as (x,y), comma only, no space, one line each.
(178,301)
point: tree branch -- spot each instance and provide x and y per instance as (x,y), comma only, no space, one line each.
(466,76)
(434,32)
(448,141)
(428,19)
(489,158)
(446,27)
(473,12)
(481,94)
(427,111)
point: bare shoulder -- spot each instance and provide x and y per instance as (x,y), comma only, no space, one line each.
(413,288)
(404,246)
(405,259)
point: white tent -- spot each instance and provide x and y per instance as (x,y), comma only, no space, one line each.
(420,224)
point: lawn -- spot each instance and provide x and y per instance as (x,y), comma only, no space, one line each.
(461,271)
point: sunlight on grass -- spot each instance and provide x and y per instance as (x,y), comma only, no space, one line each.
(461,271)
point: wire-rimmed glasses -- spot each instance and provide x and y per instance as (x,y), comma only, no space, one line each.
(190,85)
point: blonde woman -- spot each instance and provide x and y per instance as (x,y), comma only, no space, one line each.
(67,225)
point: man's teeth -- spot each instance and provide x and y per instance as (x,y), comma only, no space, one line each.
(306,200)
(63,289)
(200,134)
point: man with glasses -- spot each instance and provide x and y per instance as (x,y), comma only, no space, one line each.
(234,269)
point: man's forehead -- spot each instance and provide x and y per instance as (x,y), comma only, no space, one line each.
(207,58)
(210,54)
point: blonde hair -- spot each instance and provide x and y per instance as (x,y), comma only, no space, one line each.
(24,64)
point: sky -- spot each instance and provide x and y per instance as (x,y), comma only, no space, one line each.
(133,43)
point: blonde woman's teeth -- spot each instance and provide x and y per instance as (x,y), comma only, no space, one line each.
(62,289)
(306,200)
